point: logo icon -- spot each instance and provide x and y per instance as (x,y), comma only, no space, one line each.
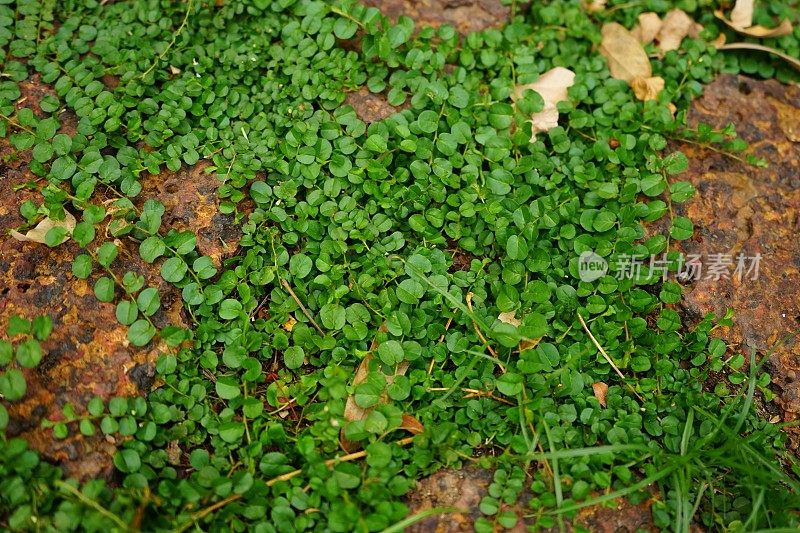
(591,266)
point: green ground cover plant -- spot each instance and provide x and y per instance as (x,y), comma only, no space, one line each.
(352,233)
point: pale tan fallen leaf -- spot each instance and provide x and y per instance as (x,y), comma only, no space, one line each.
(509,317)
(628,61)
(647,29)
(742,13)
(647,88)
(552,87)
(174,70)
(38,233)
(593,6)
(626,58)
(784,28)
(677,25)
(600,391)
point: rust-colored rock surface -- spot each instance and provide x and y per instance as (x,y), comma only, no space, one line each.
(461,489)
(466,15)
(618,516)
(370,107)
(88,353)
(741,210)
(191,203)
(464,489)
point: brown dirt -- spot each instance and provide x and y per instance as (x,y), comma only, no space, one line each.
(748,210)
(370,107)
(88,353)
(464,489)
(465,15)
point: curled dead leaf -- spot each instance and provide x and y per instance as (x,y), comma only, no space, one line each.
(784,28)
(38,233)
(552,87)
(719,41)
(742,13)
(626,58)
(647,88)
(600,392)
(412,425)
(528,344)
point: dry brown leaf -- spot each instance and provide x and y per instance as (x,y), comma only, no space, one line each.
(509,318)
(677,25)
(600,391)
(352,411)
(412,425)
(289,324)
(528,344)
(626,58)
(647,88)
(649,26)
(719,41)
(742,13)
(628,61)
(552,87)
(784,28)
(174,452)
(37,234)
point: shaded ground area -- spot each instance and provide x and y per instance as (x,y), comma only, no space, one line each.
(88,353)
(741,212)
(466,15)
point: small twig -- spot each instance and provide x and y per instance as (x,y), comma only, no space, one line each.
(93,504)
(302,307)
(171,43)
(474,392)
(607,357)
(446,327)
(761,48)
(477,330)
